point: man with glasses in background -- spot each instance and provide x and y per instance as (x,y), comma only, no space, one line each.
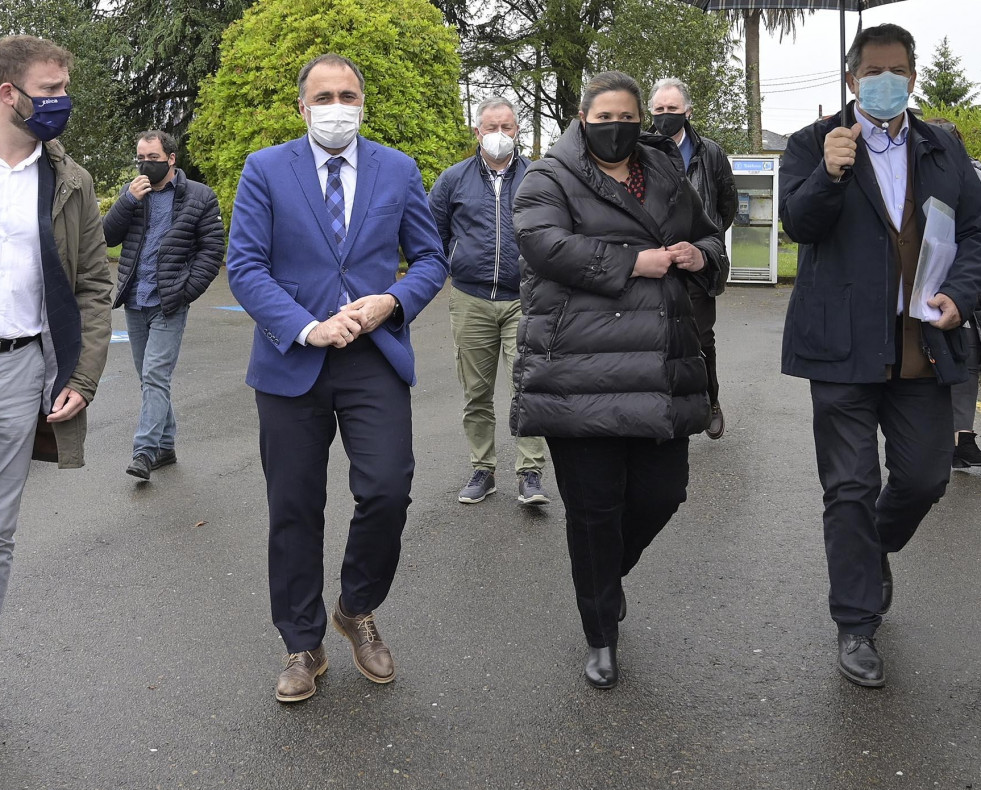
(173,246)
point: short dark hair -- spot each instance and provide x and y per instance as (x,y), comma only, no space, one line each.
(330,59)
(610,81)
(879,35)
(19,53)
(167,141)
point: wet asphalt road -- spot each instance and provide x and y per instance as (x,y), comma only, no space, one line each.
(136,649)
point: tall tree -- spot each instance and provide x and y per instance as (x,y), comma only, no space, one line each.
(943,82)
(748,21)
(690,45)
(539,50)
(173,46)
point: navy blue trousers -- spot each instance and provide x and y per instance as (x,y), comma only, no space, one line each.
(863,519)
(359,393)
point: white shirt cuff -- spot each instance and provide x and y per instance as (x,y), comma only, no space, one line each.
(302,337)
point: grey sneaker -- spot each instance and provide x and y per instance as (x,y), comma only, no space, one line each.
(530,491)
(480,485)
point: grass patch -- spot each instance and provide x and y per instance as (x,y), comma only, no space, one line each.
(787,261)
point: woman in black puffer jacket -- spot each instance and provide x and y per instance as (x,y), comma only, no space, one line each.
(609,369)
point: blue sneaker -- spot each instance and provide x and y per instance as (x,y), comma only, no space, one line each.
(480,485)
(530,491)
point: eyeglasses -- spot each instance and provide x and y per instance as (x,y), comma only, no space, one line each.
(150,158)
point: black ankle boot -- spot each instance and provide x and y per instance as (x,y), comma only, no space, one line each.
(966,452)
(602,670)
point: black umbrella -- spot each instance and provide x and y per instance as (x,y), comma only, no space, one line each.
(804,5)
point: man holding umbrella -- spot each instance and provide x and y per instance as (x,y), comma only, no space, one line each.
(852,194)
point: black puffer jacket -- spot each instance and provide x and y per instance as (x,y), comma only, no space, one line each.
(191,251)
(601,353)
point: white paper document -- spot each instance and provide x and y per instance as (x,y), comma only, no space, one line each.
(937,253)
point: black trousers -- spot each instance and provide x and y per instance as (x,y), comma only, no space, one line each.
(359,392)
(703,306)
(618,495)
(862,522)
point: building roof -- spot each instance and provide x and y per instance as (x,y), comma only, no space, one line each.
(773,141)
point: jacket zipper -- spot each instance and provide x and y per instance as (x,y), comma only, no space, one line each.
(452,253)
(555,330)
(498,185)
(139,249)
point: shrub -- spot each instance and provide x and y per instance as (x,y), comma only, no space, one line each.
(966,119)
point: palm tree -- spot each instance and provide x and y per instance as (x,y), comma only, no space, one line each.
(748,22)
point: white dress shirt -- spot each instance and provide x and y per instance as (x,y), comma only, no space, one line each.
(21,278)
(890,161)
(349,172)
(349,183)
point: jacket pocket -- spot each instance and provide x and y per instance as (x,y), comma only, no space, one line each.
(378,211)
(947,353)
(555,329)
(822,321)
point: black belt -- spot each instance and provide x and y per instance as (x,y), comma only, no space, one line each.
(15,343)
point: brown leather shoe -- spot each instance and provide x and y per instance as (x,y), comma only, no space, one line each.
(371,656)
(299,680)
(717,426)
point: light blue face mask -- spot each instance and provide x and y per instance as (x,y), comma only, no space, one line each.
(884,96)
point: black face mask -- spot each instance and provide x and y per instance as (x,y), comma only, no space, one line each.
(155,171)
(612,141)
(669,123)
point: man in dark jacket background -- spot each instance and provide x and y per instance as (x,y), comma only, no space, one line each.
(471,202)
(709,171)
(852,194)
(173,246)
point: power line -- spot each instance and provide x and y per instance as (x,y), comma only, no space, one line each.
(802,83)
(804,87)
(794,77)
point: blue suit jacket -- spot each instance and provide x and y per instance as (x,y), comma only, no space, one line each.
(285,269)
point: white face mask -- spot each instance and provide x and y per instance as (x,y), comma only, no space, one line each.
(498,145)
(334,125)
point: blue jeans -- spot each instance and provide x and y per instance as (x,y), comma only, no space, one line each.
(156,341)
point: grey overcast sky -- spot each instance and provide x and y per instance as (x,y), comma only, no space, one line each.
(799,74)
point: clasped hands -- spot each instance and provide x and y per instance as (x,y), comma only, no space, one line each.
(359,317)
(656,262)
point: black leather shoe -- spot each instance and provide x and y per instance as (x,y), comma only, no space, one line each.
(164,458)
(602,671)
(623,607)
(886,585)
(859,661)
(139,466)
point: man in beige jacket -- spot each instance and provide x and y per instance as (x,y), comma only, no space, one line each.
(55,286)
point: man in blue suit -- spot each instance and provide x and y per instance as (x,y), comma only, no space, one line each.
(313,257)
